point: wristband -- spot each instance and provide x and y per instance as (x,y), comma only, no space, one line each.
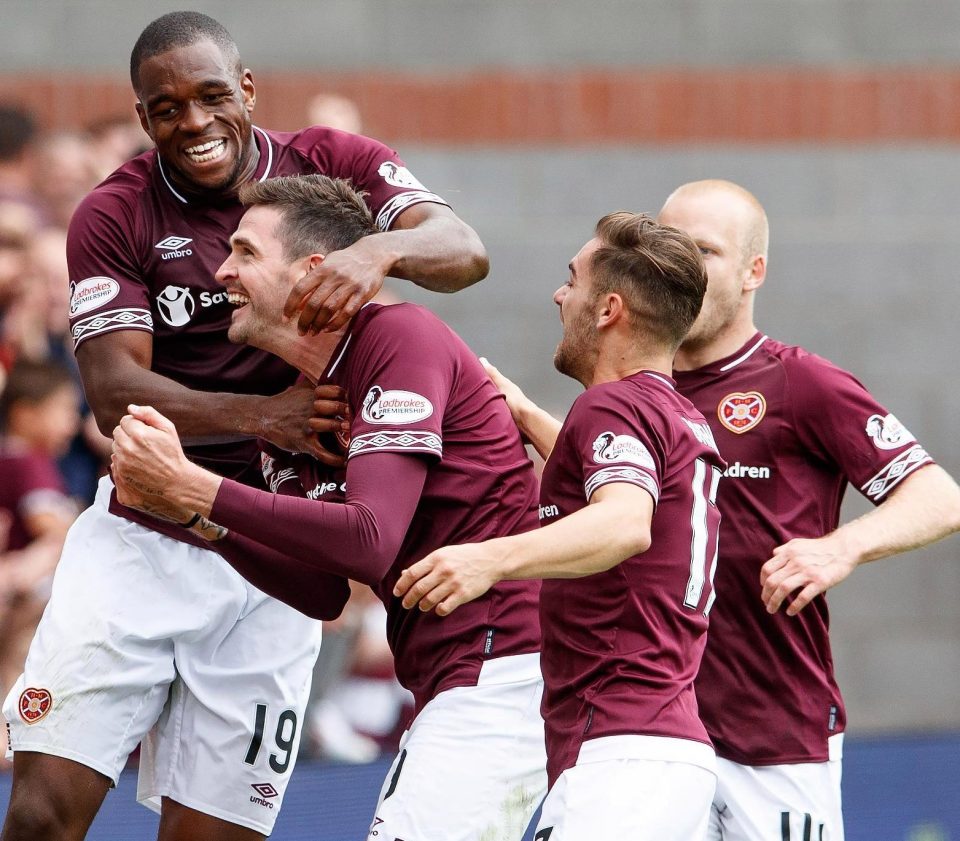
(191,522)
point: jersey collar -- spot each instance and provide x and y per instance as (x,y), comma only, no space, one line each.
(262,172)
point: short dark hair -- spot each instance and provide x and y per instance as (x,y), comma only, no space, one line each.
(318,213)
(31,382)
(657,270)
(180,29)
(17,129)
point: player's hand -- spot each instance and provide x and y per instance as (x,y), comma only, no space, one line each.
(293,418)
(809,566)
(508,388)
(331,293)
(448,578)
(331,414)
(147,461)
(148,465)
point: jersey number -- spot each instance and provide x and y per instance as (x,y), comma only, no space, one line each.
(285,738)
(703,544)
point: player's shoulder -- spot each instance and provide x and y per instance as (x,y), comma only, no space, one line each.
(309,140)
(804,368)
(120,192)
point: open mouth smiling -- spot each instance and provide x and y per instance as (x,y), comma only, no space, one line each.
(209,151)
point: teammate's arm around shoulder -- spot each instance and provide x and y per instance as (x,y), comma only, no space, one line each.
(536,425)
(428,244)
(924,508)
(613,527)
(116,372)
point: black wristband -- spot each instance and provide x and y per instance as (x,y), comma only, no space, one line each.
(191,522)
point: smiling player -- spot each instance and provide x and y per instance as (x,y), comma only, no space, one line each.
(149,636)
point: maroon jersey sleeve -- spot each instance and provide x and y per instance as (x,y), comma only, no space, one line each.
(107,289)
(358,539)
(400,383)
(614,444)
(371,166)
(841,423)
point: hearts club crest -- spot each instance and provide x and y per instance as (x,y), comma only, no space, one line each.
(35,704)
(742,411)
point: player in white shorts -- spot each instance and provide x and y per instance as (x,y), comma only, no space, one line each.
(145,621)
(142,635)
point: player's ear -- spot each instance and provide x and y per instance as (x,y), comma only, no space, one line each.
(142,115)
(610,309)
(248,89)
(757,274)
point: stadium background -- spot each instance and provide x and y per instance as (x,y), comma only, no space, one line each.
(535,117)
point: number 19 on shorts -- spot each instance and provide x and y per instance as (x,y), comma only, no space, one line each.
(283,739)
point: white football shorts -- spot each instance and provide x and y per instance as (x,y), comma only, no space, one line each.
(642,788)
(472,766)
(796,802)
(146,638)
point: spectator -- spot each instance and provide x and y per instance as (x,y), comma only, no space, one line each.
(114,141)
(334,111)
(38,416)
(17,132)
(62,173)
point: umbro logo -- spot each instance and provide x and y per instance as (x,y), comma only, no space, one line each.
(266,791)
(173,243)
(173,247)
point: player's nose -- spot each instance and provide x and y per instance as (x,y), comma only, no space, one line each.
(225,272)
(195,118)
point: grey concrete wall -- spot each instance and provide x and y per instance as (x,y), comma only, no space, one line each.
(437,34)
(863,270)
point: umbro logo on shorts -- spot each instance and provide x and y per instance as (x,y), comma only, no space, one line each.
(265,790)
(35,704)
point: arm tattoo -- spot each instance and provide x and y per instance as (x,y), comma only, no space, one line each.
(209,531)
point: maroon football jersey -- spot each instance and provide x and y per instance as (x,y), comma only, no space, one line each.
(143,257)
(415,388)
(31,483)
(794,429)
(621,648)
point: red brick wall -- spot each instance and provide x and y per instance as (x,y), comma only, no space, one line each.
(582,107)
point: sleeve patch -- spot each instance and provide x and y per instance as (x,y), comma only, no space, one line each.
(395,407)
(610,448)
(86,295)
(887,432)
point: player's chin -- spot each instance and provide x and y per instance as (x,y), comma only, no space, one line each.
(236,332)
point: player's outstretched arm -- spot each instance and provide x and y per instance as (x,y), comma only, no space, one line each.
(116,372)
(428,244)
(536,425)
(358,539)
(614,527)
(923,509)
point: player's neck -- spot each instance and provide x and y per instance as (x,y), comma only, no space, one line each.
(309,354)
(693,355)
(619,360)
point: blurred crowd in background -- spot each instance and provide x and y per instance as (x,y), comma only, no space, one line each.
(52,454)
